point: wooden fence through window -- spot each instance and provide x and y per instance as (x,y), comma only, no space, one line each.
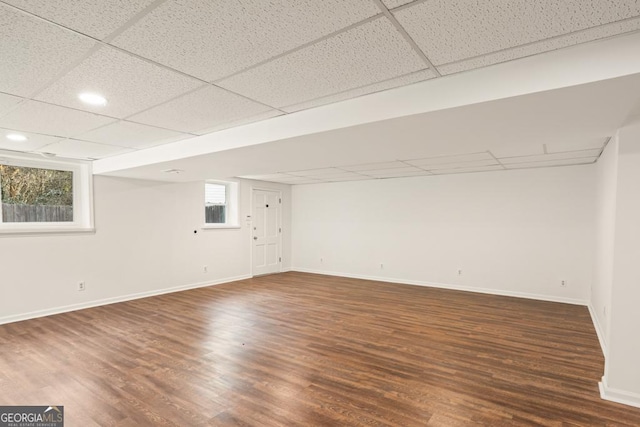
(36,213)
(215,214)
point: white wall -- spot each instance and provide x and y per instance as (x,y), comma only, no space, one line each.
(144,244)
(622,373)
(512,232)
(605,208)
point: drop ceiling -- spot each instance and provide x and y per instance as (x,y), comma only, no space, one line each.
(176,70)
(439,165)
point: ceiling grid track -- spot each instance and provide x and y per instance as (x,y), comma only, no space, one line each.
(543,40)
(102,43)
(134,20)
(406,36)
(498,160)
(407,5)
(301,47)
(357,88)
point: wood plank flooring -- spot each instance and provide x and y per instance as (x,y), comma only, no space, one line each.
(298,349)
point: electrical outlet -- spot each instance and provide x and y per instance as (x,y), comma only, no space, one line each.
(563,283)
(459,272)
(381,266)
(81,286)
(205,269)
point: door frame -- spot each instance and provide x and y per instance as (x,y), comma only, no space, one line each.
(279,192)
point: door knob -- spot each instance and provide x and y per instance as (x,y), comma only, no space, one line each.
(255,237)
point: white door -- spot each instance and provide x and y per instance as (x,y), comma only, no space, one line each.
(266,232)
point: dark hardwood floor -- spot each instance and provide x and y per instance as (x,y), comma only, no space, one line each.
(309,350)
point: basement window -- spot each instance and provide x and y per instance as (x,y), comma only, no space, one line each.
(44,196)
(220,204)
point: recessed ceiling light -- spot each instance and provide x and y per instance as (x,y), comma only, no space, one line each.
(16,137)
(92,99)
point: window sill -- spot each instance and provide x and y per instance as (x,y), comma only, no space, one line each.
(16,232)
(219,226)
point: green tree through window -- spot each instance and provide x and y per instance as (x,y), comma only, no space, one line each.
(34,186)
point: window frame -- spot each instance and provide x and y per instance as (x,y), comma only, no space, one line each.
(232,200)
(82,196)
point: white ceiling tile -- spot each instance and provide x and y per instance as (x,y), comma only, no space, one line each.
(8,101)
(212,40)
(457,158)
(564,162)
(129,84)
(586,144)
(33,52)
(406,171)
(467,170)
(542,46)
(366,54)
(395,3)
(287,176)
(375,166)
(134,135)
(353,93)
(450,31)
(553,156)
(346,178)
(335,176)
(33,142)
(302,182)
(462,165)
(76,149)
(253,119)
(317,172)
(97,18)
(38,117)
(202,109)
(400,174)
(514,150)
(294,181)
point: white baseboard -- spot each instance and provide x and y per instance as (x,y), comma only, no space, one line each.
(449,286)
(598,327)
(123,298)
(618,396)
